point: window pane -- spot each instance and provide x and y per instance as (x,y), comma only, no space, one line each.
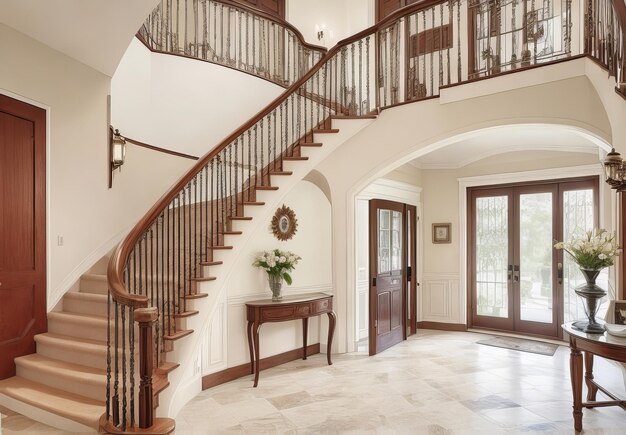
(492,248)
(536,242)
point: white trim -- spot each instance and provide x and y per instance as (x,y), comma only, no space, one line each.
(392,190)
(513,177)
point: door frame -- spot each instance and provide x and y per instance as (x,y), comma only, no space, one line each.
(514,186)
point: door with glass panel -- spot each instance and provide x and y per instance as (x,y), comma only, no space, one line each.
(387,274)
(518,281)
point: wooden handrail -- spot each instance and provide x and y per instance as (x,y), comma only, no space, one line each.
(275,19)
(273,50)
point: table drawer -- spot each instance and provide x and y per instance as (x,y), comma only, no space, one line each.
(278,314)
(322,306)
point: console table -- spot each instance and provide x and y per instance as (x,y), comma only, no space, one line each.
(604,345)
(293,307)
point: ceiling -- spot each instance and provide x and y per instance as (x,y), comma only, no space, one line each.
(507,139)
(94,32)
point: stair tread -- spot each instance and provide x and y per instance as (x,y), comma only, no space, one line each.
(220,247)
(266,187)
(195,295)
(167,367)
(353,116)
(281,172)
(203,278)
(310,144)
(240,218)
(253,203)
(77,318)
(211,263)
(91,297)
(58,367)
(295,158)
(178,334)
(68,405)
(187,313)
(74,342)
(326,130)
(231,233)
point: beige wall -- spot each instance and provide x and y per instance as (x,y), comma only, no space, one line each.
(81,208)
(440,197)
(406,173)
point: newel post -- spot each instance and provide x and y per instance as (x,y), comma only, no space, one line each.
(145,317)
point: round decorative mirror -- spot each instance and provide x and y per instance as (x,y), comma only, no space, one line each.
(284,223)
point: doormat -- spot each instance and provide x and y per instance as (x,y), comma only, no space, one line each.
(512,343)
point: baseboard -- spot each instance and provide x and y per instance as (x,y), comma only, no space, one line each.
(442,326)
(232,373)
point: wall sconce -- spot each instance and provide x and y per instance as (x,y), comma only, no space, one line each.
(614,171)
(320,31)
(117,152)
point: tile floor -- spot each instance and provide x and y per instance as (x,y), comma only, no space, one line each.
(434,383)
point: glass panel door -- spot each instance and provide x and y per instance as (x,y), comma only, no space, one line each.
(490,257)
(533,268)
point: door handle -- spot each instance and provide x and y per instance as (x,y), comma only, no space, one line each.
(516,273)
(510,272)
(559,272)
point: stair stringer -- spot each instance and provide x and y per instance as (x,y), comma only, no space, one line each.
(186,381)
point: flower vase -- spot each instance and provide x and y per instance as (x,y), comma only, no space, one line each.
(276,285)
(591,295)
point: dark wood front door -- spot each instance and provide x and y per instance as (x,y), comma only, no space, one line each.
(387,274)
(22,230)
(518,281)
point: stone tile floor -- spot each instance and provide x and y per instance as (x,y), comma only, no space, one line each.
(434,383)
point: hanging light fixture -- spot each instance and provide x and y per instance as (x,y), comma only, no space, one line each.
(614,171)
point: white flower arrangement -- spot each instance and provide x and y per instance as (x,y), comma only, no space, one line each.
(596,250)
(277,263)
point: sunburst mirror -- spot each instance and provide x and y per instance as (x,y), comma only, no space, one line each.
(284,223)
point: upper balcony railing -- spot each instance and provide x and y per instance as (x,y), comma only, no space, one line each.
(408,56)
(232,35)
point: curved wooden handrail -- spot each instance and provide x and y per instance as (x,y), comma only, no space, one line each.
(275,19)
(118,260)
(272,73)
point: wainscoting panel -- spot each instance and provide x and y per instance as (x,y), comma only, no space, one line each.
(214,347)
(439,298)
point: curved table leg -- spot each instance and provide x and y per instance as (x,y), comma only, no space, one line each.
(305,333)
(251,346)
(332,319)
(576,373)
(256,355)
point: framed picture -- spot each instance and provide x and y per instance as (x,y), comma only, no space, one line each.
(620,313)
(441,233)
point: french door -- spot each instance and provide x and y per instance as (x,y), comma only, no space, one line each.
(518,281)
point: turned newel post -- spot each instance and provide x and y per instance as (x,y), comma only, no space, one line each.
(145,317)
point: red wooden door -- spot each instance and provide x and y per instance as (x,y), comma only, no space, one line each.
(22,230)
(387,271)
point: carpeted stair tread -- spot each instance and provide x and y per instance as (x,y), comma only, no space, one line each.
(68,405)
(92,304)
(66,376)
(94,283)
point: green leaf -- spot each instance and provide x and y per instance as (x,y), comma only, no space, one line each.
(287,277)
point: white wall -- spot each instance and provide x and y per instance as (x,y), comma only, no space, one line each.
(225,344)
(183,104)
(81,208)
(342,18)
